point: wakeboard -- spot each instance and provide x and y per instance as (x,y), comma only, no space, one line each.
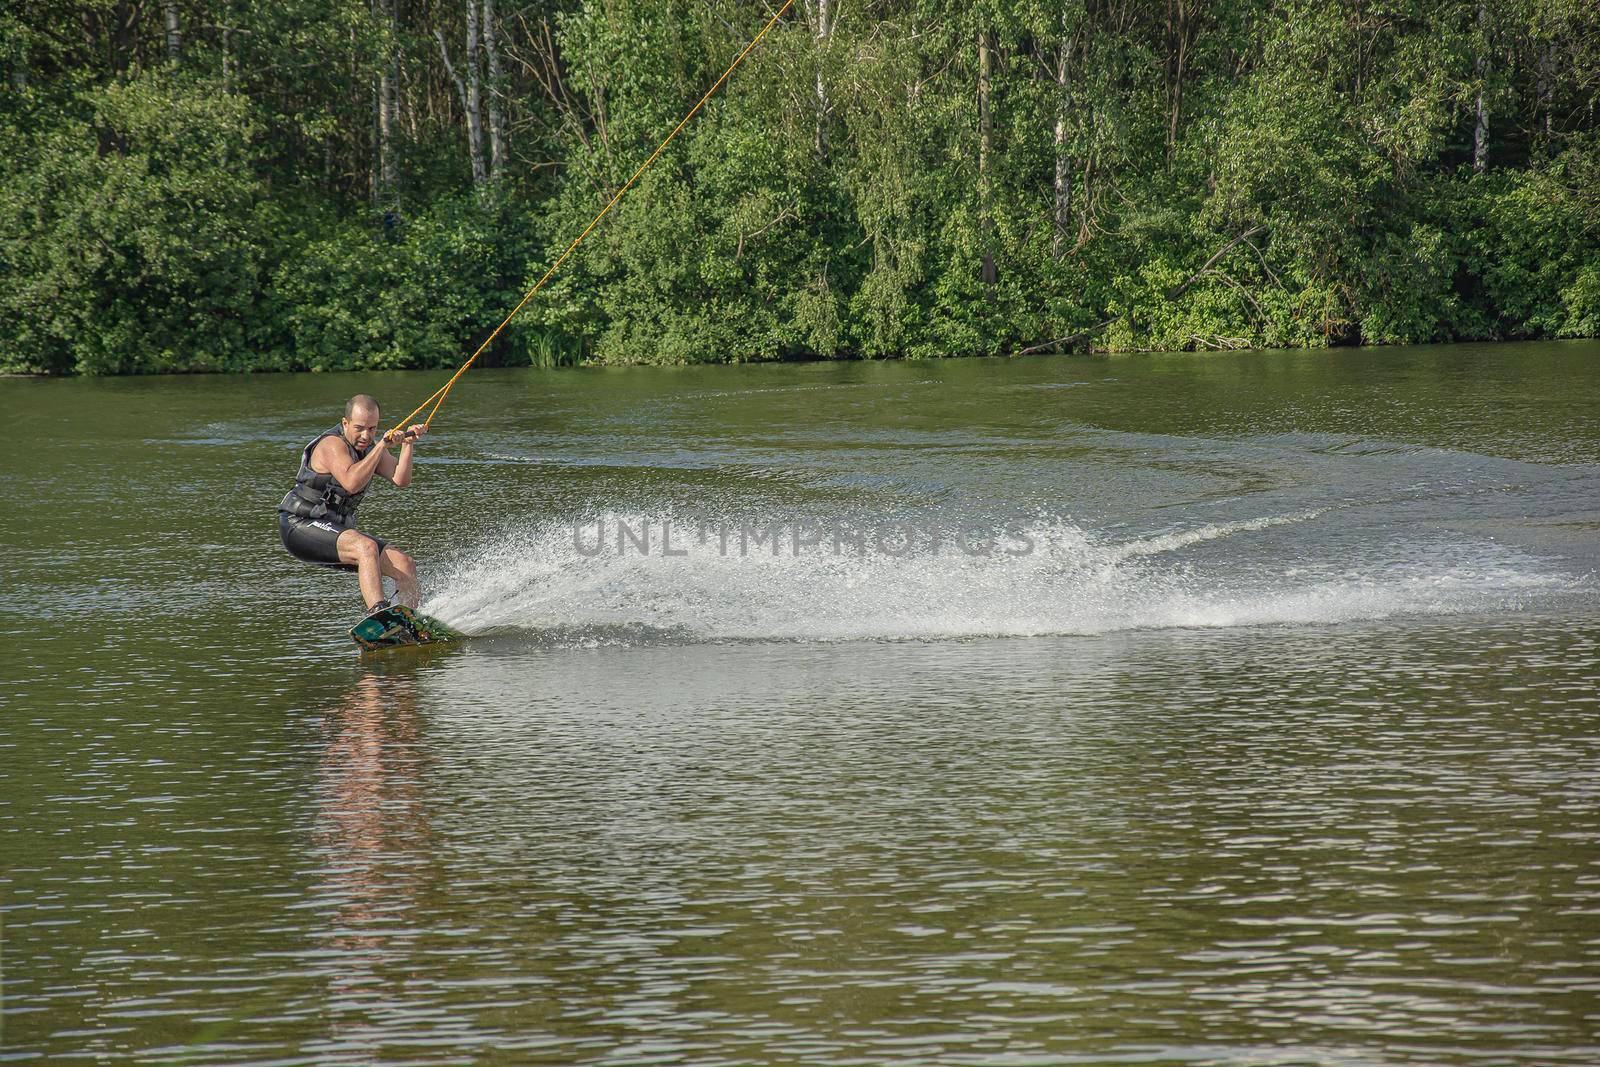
(398,625)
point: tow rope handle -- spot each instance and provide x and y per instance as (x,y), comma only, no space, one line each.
(437,399)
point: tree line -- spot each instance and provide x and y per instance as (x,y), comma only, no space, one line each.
(218,185)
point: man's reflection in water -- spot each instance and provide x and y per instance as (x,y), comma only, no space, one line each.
(373,842)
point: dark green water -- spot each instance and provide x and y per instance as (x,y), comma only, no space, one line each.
(1279,743)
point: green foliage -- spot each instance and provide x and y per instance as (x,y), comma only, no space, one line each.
(1536,246)
(131,236)
(421,294)
(1151,176)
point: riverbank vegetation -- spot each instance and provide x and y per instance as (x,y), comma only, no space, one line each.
(333,184)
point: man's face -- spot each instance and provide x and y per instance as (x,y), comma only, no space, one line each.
(361,428)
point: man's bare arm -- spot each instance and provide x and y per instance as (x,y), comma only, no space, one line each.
(333,457)
(399,471)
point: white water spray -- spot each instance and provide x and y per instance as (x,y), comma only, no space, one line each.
(544,579)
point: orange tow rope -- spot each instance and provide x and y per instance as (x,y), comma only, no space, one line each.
(443,391)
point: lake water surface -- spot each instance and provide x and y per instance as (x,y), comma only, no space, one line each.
(1218,709)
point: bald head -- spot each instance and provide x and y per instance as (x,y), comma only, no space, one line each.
(363,403)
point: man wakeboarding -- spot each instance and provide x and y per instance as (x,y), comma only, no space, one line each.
(317,519)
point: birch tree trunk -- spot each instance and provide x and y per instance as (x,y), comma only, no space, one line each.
(1178,32)
(822,14)
(474,102)
(1063,182)
(467,89)
(985,147)
(388,112)
(19,68)
(169,9)
(1542,88)
(497,126)
(1480,129)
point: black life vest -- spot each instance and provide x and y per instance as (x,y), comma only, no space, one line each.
(320,496)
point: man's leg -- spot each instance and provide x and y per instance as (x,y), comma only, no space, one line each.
(361,552)
(399,566)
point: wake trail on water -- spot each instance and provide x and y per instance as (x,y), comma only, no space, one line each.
(539,578)
(1171,542)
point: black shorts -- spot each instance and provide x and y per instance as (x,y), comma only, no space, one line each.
(316,540)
